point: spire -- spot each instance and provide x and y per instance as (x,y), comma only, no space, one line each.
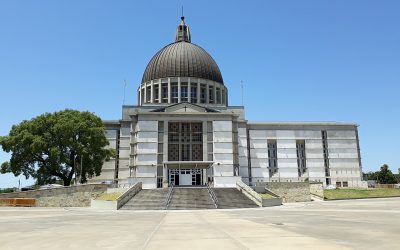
(183,32)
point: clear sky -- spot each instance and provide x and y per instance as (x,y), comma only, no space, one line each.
(299,60)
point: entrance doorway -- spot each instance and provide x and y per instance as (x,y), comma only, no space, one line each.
(185,180)
(186,177)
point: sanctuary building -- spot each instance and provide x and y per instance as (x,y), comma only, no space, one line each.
(183,132)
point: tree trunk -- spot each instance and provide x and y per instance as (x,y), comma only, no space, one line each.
(67,182)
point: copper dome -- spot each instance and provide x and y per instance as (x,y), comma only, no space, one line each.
(182,59)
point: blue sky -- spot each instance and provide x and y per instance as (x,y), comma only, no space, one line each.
(299,60)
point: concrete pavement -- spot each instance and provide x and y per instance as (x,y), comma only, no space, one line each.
(355,224)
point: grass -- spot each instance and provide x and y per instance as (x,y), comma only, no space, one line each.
(339,194)
(108,196)
(267,196)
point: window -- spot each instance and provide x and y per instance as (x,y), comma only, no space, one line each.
(211,94)
(148,94)
(338,184)
(326,156)
(174,92)
(272,157)
(155,92)
(193,94)
(164,92)
(203,93)
(345,184)
(185,141)
(184,92)
(301,157)
(159,182)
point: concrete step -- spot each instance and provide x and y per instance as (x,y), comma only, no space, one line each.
(191,198)
(232,198)
(188,198)
(147,199)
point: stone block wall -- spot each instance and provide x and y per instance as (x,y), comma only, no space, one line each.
(74,196)
(290,191)
(317,189)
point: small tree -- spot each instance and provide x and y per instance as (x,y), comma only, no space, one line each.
(53,145)
(385,176)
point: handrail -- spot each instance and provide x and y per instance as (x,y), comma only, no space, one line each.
(249,192)
(169,195)
(212,194)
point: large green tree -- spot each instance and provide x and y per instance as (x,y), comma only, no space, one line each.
(385,176)
(56,146)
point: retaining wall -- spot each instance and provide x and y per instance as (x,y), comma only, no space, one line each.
(290,191)
(74,196)
(317,189)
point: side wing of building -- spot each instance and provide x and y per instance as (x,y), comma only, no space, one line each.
(325,152)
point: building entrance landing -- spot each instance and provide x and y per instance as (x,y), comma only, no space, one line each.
(186,177)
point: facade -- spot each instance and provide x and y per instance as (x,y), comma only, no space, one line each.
(183,132)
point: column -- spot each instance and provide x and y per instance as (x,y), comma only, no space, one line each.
(215,92)
(207,93)
(220,93)
(189,91)
(145,93)
(140,95)
(179,89)
(169,90)
(151,91)
(159,91)
(198,91)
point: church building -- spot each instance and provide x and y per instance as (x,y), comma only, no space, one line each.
(183,132)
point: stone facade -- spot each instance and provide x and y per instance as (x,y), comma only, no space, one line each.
(339,161)
(290,191)
(317,189)
(74,196)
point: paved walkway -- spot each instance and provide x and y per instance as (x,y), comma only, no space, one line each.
(356,224)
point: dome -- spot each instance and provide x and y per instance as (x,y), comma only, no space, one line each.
(182,59)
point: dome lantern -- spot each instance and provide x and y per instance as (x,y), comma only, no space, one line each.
(183,32)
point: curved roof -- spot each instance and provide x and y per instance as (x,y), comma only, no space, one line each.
(182,59)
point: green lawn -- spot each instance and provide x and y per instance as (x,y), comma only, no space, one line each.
(338,194)
(267,196)
(109,196)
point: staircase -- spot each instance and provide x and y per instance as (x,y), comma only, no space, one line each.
(233,198)
(191,198)
(147,199)
(188,198)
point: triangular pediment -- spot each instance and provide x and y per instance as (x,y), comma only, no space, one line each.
(185,107)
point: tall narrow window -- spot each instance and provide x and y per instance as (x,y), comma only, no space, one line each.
(326,156)
(174,92)
(184,92)
(272,157)
(155,92)
(148,94)
(164,92)
(211,94)
(193,94)
(203,92)
(301,157)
